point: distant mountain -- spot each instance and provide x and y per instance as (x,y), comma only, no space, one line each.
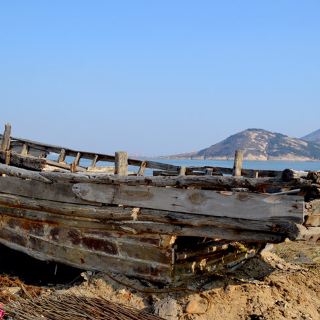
(314,136)
(258,144)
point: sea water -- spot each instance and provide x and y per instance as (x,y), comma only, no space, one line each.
(249,164)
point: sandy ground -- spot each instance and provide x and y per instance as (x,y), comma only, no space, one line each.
(284,283)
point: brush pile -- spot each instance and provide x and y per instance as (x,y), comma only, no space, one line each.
(61,307)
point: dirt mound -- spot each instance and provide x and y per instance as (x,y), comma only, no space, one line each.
(283,283)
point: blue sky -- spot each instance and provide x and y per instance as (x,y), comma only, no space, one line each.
(158,77)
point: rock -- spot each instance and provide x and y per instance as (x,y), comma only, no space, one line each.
(197,305)
(168,309)
(268,248)
(280,266)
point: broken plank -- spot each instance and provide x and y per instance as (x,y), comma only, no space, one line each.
(39,190)
(21,161)
(22,173)
(76,256)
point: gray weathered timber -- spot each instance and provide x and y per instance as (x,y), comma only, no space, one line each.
(212,264)
(62,165)
(22,173)
(39,190)
(206,182)
(238,160)
(145,227)
(250,173)
(5,143)
(73,211)
(107,241)
(227,204)
(47,148)
(289,174)
(21,161)
(140,227)
(83,258)
(121,163)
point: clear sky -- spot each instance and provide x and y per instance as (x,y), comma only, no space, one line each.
(158,77)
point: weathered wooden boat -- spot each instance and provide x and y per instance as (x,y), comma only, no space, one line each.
(174,224)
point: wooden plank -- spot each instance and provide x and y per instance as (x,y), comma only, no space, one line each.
(137,227)
(5,144)
(212,265)
(39,190)
(121,163)
(21,161)
(104,213)
(91,155)
(227,204)
(83,258)
(21,173)
(207,182)
(64,232)
(142,227)
(238,160)
(63,165)
(245,172)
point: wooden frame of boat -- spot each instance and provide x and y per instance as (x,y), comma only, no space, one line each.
(173,225)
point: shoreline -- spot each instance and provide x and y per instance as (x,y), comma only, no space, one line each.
(232,159)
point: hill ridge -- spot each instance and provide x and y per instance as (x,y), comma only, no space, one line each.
(258,144)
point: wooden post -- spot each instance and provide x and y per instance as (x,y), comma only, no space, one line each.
(25,149)
(121,163)
(94,161)
(238,159)
(182,171)
(142,168)
(77,159)
(62,155)
(75,163)
(5,145)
